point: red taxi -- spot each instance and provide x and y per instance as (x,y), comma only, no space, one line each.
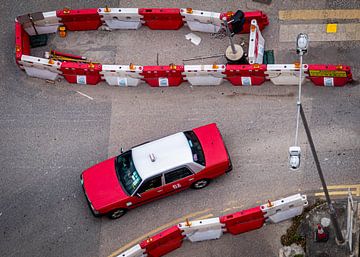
(156,169)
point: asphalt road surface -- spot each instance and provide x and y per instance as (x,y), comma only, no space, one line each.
(51,133)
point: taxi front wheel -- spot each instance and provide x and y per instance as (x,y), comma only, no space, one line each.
(116,213)
(200,184)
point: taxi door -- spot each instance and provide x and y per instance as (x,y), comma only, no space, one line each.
(151,189)
(177,180)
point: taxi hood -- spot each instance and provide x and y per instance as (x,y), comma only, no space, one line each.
(101,185)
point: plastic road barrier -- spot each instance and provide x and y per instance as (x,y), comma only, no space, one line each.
(201,230)
(285,74)
(243,221)
(76,20)
(162,18)
(135,251)
(285,208)
(163,76)
(40,67)
(163,243)
(246,75)
(260,17)
(122,75)
(202,21)
(256,44)
(329,75)
(22,42)
(204,74)
(39,23)
(81,73)
(209,229)
(121,18)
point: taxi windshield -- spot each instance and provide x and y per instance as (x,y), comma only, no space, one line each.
(126,172)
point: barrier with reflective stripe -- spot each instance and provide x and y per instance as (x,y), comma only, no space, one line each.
(162,18)
(76,20)
(121,18)
(81,73)
(329,75)
(204,74)
(122,75)
(163,76)
(40,67)
(245,75)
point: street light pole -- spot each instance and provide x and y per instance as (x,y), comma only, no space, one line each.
(333,216)
(301,48)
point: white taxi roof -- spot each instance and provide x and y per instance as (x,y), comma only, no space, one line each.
(169,152)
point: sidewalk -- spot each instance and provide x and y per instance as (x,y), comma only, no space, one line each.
(303,231)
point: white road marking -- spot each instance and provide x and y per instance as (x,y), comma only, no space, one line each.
(85,95)
(317,32)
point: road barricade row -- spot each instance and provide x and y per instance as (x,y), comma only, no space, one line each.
(173,75)
(209,229)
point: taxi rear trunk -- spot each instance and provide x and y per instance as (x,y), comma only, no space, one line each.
(214,148)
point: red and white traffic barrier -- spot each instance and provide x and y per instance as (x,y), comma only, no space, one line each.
(40,23)
(213,228)
(201,230)
(77,20)
(161,18)
(78,71)
(256,44)
(122,75)
(22,43)
(243,221)
(40,67)
(163,76)
(166,241)
(204,74)
(246,75)
(329,75)
(285,74)
(202,21)
(81,73)
(284,209)
(120,18)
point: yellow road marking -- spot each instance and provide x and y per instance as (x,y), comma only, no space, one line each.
(336,193)
(341,190)
(205,216)
(225,210)
(341,14)
(154,231)
(342,186)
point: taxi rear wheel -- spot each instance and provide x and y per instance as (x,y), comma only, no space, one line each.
(200,184)
(116,213)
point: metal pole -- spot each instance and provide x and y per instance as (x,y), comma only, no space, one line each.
(298,103)
(229,35)
(333,215)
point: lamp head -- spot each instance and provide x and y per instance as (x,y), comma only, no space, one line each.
(302,43)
